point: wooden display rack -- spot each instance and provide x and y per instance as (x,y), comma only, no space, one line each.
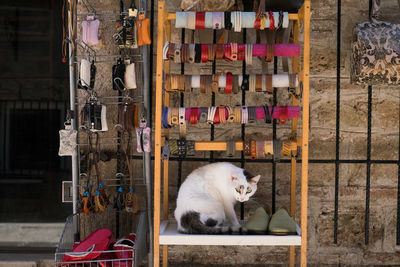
(165,232)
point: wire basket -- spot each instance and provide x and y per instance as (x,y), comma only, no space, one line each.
(120,223)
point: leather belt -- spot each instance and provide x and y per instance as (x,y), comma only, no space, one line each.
(234,51)
(171,51)
(185,53)
(192,53)
(260,149)
(251,114)
(268,83)
(217,20)
(208,84)
(193,115)
(271,20)
(270,53)
(203,115)
(197,54)
(245,82)
(188,84)
(202,84)
(216,119)
(268,148)
(219,52)
(182,116)
(222,114)
(177,53)
(246,147)
(253,149)
(252,83)
(211,52)
(235,86)
(238,114)
(200,20)
(241,52)
(204,53)
(268,115)
(245,115)
(215,83)
(258,83)
(229,83)
(227,52)
(227,19)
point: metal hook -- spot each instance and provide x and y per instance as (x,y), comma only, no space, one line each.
(116,84)
(89,7)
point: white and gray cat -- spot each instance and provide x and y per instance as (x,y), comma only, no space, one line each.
(205,203)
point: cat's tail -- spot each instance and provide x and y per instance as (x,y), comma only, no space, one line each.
(190,222)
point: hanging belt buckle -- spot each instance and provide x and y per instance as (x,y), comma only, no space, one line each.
(181,147)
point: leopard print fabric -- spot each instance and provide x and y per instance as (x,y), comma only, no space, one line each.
(376,53)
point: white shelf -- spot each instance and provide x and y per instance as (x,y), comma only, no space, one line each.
(169,235)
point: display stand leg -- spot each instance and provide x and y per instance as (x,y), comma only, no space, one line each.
(157,138)
(304,162)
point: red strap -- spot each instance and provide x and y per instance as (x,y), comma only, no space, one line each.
(241,52)
(283,115)
(216,117)
(204,53)
(271,20)
(229,83)
(227,52)
(200,20)
(193,115)
(257,23)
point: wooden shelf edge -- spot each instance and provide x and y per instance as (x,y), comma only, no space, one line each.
(170,236)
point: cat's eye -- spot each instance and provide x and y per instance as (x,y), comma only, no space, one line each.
(237,190)
(248,190)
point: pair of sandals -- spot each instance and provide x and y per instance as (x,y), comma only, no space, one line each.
(280,223)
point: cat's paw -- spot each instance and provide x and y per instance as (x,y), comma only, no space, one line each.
(225,229)
(236,228)
(244,229)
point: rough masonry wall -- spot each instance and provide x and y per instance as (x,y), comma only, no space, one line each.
(353,135)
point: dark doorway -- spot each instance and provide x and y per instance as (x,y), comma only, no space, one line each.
(33,101)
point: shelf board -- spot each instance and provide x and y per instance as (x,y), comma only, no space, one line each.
(170,236)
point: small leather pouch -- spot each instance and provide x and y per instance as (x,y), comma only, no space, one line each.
(143,137)
(94,117)
(127,116)
(143,29)
(67,141)
(130,76)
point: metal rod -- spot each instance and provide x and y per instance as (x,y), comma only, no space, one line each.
(337,157)
(72,94)
(243,130)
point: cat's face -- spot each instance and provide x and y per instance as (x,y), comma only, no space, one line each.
(244,187)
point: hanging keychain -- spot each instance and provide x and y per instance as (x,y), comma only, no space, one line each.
(131,199)
(100,199)
(143,137)
(67,139)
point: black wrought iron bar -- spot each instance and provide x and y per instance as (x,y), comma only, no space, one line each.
(368,178)
(181,104)
(214,67)
(337,140)
(275,101)
(243,134)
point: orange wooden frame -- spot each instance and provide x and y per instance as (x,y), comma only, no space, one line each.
(303,16)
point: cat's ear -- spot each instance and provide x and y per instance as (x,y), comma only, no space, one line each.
(255,179)
(234,176)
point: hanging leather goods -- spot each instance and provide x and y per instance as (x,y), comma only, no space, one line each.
(143,137)
(94,115)
(127,115)
(131,201)
(118,75)
(143,28)
(67,139)
(119,203)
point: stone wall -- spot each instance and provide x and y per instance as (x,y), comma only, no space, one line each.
(350,248)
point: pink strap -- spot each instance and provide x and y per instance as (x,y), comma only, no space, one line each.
(280,50)
(187,114)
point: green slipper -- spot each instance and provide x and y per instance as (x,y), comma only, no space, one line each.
(258,222)
(282,224)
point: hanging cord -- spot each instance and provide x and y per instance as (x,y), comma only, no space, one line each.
(100,198)
(87,199)
(131,200)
